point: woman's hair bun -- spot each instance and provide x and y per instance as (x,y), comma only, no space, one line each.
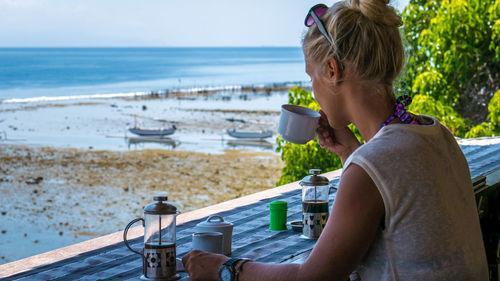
(377,10)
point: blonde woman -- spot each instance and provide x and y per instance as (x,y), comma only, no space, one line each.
(405,208)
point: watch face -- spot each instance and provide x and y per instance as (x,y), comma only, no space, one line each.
(225,274)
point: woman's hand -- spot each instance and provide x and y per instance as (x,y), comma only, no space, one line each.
(339,141)
(202,265)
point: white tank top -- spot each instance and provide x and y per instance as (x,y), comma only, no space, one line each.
(431,228)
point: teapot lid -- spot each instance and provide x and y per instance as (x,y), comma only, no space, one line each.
(216,221)
(160,207)
(314,179)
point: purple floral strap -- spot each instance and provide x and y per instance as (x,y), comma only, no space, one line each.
(400,112)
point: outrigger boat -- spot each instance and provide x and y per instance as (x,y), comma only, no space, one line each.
(153,132)
(249,134)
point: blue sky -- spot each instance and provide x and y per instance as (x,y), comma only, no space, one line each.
(70,23)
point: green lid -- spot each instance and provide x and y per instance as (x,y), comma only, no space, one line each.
(278,205)
(277,218)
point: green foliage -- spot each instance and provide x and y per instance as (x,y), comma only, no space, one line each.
(433,84)
(492,127)
(494,111)
(454,54)
(494,21)
(300,158)
(482,130)
(456,38)
(416,17)
(299,96)
(427,105)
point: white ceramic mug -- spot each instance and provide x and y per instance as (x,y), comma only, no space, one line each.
(217,224)
(208,242)
(298,124)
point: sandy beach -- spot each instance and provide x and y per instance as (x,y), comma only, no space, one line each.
(52,197)
(69,171)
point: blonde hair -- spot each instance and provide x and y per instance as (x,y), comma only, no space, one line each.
(365,35)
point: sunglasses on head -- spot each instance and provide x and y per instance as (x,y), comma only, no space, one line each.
(313,17)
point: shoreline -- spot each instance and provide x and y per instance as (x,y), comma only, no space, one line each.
(201,118)
(194,91)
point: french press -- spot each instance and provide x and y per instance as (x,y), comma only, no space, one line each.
(315,190)
(158,254)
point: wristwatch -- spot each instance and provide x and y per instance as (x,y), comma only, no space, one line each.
(227,271)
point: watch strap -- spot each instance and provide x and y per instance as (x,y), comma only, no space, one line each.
(231,262)
(239,266)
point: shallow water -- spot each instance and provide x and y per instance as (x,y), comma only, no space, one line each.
(101,124)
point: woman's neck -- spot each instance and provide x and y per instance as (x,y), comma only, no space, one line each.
(370,105)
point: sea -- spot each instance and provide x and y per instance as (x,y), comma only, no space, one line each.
(90,97)
(37,74)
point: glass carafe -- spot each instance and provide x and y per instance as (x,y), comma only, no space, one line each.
(315,190)
(159,251)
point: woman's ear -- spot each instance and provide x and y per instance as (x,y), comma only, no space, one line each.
(334,71)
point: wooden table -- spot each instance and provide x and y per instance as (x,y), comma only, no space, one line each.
(107,258)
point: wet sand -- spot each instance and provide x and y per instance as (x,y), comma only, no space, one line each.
(52,197)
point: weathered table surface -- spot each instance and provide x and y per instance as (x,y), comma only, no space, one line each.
(107,258)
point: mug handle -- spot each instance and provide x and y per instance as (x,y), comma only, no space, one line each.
(126,231)
(210,219)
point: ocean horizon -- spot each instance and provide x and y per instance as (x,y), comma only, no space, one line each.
(61,73)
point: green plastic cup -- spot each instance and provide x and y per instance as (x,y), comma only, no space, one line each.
(278,215)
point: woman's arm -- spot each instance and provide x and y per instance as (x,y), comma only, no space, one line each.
(205,266)
(356,214)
